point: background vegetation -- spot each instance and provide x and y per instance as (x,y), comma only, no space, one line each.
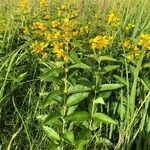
(74,74)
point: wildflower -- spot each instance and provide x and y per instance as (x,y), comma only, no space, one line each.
(49,37)
(25,5)
(129,27)
(26,30)
(84,30)
(127,44)
(130,57)
(100,42)
(55,24)
(58,49)
(43,3)
(38,48)
(39,26)
(57,35)
(144,41)
(113,20)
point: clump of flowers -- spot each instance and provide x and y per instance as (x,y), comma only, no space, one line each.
(25,5)
(128,44)
(144,41)
(129,27)
(39,26)
(100,42)
(59,50)
(43,3)
(114,20)
(38,48)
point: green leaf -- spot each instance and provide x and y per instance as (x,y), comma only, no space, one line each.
(80,65)
(71,109)
(103,118)
(78,116)
(69,136)
(104,141)
(99,100)
(53,119)
(80,144)
(52,96)
(76,98)
(107,58)
(120,79)
(74,56)
(51,133)
(107,87)
(110,68)
(51,74)
(78,89)
(146,65)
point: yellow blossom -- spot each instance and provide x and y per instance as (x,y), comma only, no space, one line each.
(38,48)
(49,37)
(57,35)
(43,3)
(100,42)
(144,41)
(113,20)
(129,27)
(26,30)
(127,44)
(55,24)
(40,26)
(25,5)
(84,30)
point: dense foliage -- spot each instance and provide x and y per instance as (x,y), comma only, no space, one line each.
(74,75)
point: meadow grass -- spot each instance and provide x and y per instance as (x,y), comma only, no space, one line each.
(74,74)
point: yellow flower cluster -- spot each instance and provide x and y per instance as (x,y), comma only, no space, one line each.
(59,50)
(39,26)
(43,3)
(84,30)
(113,20)
(55,24)
(26,30)
(38,48)
(25,5)
(100,42)
(144,41)
(129,27)
(129,45)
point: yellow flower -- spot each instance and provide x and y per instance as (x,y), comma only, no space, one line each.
(25,5)
(113,20)
(43,3)
(39,26)
(100,42)
(26,30)
(38,48)
(57,35)
(129,27)
(144,41)
(84,30)
(58,49)
(127,44)
(66,58)
(49,37)
(55,24)
(130,57)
